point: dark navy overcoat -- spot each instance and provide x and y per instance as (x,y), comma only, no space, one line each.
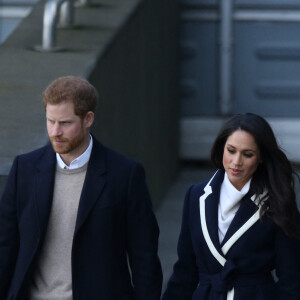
(240,267)
(115,228)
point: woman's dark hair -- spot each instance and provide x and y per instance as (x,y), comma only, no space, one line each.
(274,173)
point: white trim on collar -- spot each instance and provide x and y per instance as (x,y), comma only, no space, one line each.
(211,246)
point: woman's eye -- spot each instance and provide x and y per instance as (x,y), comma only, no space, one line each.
(230,151)
(248,154)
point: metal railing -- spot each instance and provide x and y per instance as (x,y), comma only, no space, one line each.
(57,13)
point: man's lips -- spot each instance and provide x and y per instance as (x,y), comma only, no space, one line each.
(58,142)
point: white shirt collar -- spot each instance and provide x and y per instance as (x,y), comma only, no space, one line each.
(229,203)
(230,196)
(79,161)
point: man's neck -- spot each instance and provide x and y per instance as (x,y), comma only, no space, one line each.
(69,157)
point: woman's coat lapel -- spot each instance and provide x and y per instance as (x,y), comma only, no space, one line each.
(211,202)
(208,208)
(246,210)
(246,216)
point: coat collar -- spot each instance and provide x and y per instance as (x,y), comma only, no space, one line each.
(93,184)
(211,208)
(44,182)
(246,216)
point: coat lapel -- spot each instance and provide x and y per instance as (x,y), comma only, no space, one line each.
(93,184)
(211,209)
(43,187)
(246,216)
(244,213)
(208,207)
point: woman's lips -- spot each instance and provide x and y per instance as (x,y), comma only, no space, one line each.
(235,171)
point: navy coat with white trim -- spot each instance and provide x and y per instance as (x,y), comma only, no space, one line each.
(240,267)
(115,228)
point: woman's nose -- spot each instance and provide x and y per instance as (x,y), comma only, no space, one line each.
(237,159)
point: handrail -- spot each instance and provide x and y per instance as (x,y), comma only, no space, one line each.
(226,104)
(56,12)
(66,14)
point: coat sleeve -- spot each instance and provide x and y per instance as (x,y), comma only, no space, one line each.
(9,233)
(184,279)
(287,266)
(142,239)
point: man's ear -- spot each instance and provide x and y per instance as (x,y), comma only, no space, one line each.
(89,119)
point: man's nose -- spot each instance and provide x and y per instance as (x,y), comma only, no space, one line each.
(56,129)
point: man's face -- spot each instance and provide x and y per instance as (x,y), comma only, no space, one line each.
(68,133)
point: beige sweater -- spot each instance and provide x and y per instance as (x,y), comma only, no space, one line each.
(53,277)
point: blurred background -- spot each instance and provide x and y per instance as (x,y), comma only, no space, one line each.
(168,72)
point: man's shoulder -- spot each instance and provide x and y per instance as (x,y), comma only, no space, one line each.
(36,154)
(112,156)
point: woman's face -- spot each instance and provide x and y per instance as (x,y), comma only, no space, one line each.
(241,157)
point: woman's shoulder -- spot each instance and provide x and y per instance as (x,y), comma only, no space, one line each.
(199,186)
(215,180)
(196,190)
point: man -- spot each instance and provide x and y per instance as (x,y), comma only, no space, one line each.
(76,221)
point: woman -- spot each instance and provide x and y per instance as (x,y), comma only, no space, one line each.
(241,224)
